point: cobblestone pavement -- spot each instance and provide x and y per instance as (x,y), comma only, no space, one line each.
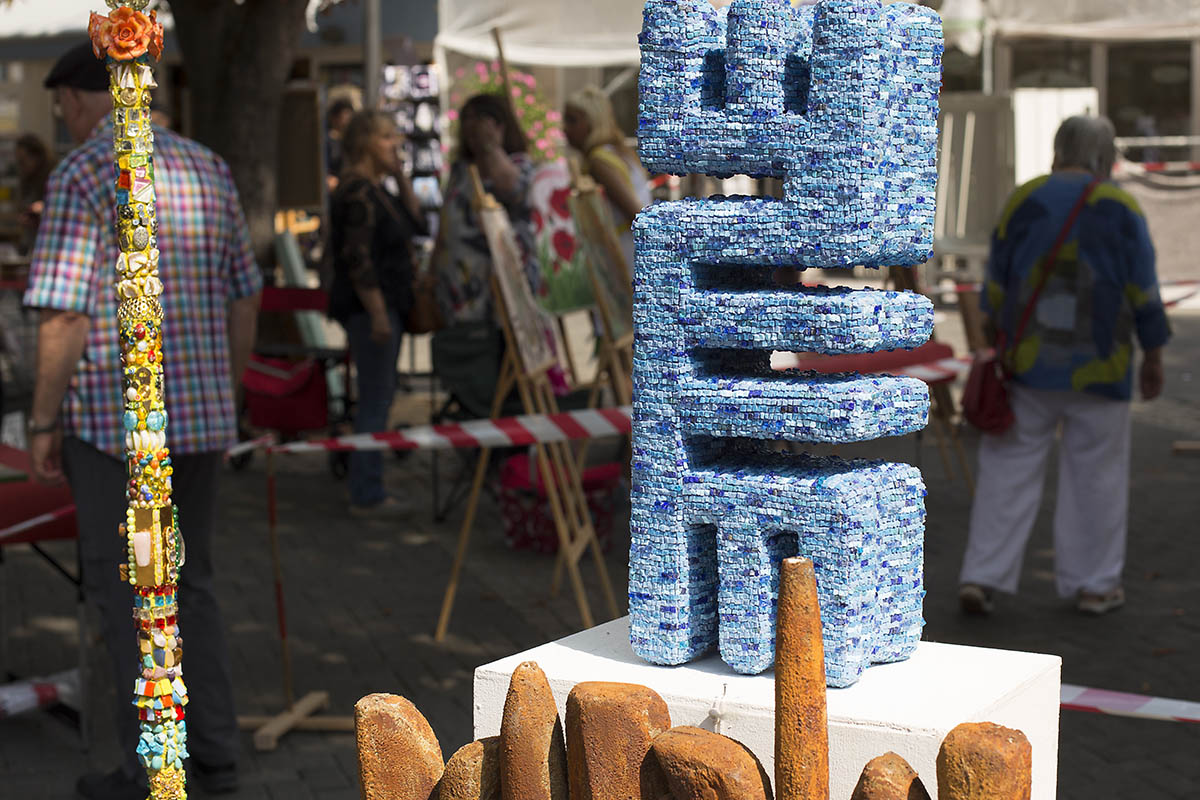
(363,596)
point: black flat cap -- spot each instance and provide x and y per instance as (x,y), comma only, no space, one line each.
(78,68)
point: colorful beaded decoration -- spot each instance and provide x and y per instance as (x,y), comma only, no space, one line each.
(839,100)
(129,41)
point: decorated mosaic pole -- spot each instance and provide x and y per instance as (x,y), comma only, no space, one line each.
(129,41)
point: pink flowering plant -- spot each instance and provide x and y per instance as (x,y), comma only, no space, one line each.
(540,122)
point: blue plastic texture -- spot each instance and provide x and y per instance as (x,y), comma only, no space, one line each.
(840,101)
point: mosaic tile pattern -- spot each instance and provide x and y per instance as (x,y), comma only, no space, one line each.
(840,101)
(130,42)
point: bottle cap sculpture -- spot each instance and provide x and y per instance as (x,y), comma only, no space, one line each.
(839,100)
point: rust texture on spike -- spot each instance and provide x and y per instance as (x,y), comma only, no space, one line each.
(473,773)
(984,761)
(889,777)
(399,757)
(533,758)
(609,730)
(801,726)
(694,763)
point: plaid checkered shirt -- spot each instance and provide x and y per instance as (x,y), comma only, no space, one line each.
(206,262)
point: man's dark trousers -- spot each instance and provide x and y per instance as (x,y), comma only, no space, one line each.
(98,484)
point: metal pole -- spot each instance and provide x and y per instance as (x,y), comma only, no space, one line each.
(289,693)
(1196,95)
(988,54)
(1099,74)
(1002,65)
(372,52)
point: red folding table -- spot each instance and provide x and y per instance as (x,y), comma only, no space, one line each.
(33,514)
(922,362)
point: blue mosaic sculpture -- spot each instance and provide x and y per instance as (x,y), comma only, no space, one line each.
(839,100)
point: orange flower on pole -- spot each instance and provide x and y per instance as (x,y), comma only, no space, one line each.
(98,31)
(130,33)
(125,34)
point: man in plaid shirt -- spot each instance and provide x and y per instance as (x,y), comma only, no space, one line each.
(210,303)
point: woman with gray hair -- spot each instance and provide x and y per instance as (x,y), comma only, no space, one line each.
(1070,280)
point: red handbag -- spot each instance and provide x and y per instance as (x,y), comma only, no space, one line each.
(985,398)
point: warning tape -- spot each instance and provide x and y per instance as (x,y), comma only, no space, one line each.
(1190,290)
(1102,701)
(1129,168)
(1154,167)
(22,696)
(33,522)
(507,432)
(247,446)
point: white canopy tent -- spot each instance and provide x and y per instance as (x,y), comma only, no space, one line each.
(577,33)
(1096,20)
(559,33)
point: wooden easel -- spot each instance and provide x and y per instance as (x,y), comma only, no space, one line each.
(614,302)
(615,342)
(556,464)
(1186,448)
(614,360)
(506,92)
(942,404)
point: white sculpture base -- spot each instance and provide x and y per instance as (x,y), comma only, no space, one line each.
(907,707)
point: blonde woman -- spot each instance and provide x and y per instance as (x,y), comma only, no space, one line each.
(591,129)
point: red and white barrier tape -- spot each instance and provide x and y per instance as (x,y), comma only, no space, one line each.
(33,522)
(1154,167)
(506,432)
(1102,701)
(1189,290)
(249,445)
(22,696)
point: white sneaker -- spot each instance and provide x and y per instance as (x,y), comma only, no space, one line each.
(1098,604)
(975,599)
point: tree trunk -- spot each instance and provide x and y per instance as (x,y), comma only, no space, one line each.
(238,58)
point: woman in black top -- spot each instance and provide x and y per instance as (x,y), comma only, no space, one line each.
(371,294)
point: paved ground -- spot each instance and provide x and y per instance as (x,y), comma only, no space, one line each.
(362,599)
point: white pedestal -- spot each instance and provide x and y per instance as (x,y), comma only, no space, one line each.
(906,707)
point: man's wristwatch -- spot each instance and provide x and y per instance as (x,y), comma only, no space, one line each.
(35,429)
